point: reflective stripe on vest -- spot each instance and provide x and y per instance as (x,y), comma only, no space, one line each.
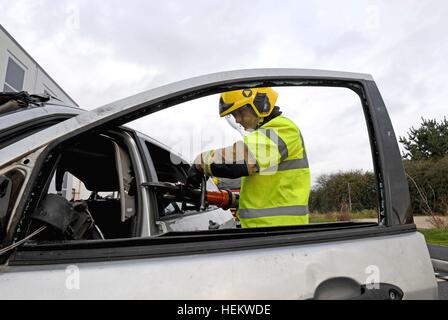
(283,150)
(271,212)
(290,165)
(281,145)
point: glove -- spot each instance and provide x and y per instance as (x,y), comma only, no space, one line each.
(194,177)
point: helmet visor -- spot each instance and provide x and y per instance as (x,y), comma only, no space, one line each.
(235,125)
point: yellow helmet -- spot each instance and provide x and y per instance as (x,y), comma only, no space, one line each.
(262,101)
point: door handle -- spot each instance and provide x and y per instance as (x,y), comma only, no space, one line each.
(348,289)
(380,291)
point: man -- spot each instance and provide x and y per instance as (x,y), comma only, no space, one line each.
(271,160)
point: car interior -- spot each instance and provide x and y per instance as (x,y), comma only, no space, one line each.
(169,172)
(103,165)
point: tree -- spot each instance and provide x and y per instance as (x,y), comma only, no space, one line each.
(430,141)
(428,185)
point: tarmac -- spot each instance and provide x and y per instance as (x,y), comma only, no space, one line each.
(440,253)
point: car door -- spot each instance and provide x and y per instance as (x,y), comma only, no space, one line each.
(388,259)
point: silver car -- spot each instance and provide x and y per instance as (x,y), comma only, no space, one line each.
(136,244)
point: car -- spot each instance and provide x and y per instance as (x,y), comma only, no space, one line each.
(140,242)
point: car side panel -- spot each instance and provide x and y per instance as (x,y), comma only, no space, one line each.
(291,272)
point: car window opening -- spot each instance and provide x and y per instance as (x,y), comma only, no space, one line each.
(103,165)
(175,174)
(104,169)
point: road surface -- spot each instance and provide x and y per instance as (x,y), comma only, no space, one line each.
(440,253)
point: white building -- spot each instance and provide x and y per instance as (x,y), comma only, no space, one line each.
(20,72)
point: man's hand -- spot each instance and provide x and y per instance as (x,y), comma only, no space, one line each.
(198,163)
(194,177)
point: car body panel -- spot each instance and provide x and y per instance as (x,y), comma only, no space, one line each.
(292,272)
(17,125)
(199,221)
(24,116)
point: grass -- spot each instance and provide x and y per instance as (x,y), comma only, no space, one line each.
(432,236)
(338,216)
(315,219)
(365,214)
(435,236)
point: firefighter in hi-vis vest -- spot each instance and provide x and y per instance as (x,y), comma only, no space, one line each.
(272,161)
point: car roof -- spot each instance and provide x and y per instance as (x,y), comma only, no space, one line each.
(24,115)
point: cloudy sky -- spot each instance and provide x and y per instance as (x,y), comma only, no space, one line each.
(100,51)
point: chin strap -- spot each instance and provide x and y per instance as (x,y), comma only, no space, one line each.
(260,123)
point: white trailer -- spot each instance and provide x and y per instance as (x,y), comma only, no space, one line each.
(20,72)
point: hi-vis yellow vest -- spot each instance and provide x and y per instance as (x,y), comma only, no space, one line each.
(278,194)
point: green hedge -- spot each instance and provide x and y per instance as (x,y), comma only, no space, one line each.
(431,178)
(427,180)
(333,192)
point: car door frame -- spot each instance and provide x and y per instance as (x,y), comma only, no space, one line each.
(393,194)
